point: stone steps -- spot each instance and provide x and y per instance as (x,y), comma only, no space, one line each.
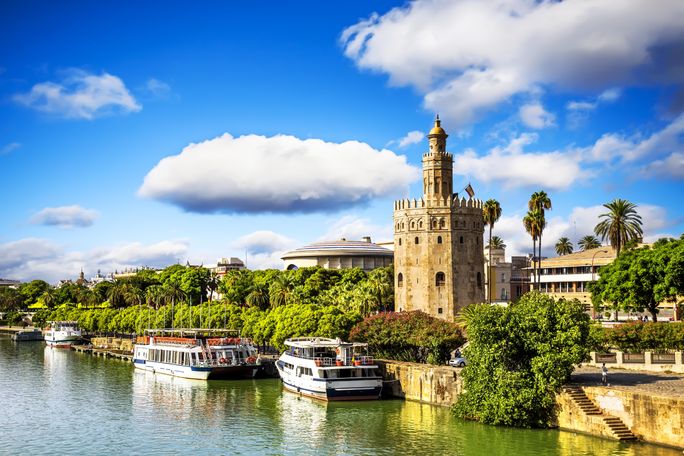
(619,430)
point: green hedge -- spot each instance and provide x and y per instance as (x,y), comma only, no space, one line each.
(638,336)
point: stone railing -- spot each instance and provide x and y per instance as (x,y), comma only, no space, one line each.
(642,361)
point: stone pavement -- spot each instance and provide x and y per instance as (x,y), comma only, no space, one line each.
(656,383)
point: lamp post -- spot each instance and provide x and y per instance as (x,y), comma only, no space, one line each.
(593,310)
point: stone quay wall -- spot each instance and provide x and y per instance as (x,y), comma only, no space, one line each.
(644,361)
(651,417)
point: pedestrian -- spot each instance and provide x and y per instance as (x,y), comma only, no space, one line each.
(604,374)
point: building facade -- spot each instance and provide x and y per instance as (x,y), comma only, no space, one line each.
(438,257)
(341,254)
(510,280)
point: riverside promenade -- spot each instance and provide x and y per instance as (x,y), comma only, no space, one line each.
(657,383)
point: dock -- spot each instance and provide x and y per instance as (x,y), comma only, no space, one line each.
(104,352)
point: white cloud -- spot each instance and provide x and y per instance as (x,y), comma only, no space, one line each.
(157,87)
(535,116)
(264,242)
(467,56)
(610,95)
(580,106)
(671,166)
(511,167)
(352,227)
(81,95)
(252,174)
(412,137)
(65,216)
(31,258)
(9,148)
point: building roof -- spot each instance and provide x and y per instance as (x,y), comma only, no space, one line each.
(437,129)
(598,257)
(341,247)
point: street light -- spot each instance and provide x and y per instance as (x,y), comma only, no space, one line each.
(593,310)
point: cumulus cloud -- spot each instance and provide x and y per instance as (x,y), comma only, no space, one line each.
(32,258)
(65,217)
(81,95)
(353,227)
(510,166)
(467,56)
(671,166)
(252,174)
(412,137)
(264,242)
(9,148)
(535,116)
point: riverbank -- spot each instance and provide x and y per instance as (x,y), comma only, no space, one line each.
(649,405)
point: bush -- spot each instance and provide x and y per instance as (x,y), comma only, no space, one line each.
(638,336)
(518,359)
(408,336)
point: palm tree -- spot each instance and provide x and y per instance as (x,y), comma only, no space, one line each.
(491,212)
(620,225)
(564,246)
(533,222)
(588,242)
(116,294)
(541,202)
(280,291)
(497,243)
(258,296)
(48,297)
(171,292)
(212,284)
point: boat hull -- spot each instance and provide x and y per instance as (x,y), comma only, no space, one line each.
(337,394)
(233,372)
(61,343)
(194,373)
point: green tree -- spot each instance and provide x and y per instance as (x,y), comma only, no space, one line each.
(620,225)
(32,290)
(281,290)
(518,359)
(491,210)
(10,299)
(540,201)
(534,223)
(496,243)
(564,246)
(588,242)
(258,296)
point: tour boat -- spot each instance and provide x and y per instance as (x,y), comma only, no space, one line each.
(62,333)
(196,354)
(329,369)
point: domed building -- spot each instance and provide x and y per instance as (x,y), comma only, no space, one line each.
(341,254)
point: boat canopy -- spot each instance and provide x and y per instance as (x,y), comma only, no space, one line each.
(310,342)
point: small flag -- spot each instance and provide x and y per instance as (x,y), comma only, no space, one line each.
(469,190)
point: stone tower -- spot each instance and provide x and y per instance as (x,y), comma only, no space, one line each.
(438,256)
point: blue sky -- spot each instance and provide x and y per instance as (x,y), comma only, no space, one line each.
(156,132)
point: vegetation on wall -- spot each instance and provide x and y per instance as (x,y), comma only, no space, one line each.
(518,359)
(638,337)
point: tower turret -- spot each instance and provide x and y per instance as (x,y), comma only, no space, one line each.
(437,166)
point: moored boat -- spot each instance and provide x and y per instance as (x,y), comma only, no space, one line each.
(196,354)
(62,333)
(329,369)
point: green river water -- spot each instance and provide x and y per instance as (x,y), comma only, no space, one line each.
(60,402)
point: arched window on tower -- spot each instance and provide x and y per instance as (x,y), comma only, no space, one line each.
(479,280)
(439,239)
(416,240)
(420,224)
(440,279)
(460,240)
(442,223)
(399,241)
(400,280)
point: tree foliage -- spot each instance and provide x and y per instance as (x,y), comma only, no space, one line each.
(640,279)
(408,336)
(620,225)
(518,359)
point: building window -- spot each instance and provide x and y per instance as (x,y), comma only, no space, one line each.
(439,239)
(503,276)
(479,280)
(442,223)
(461,239)
(440,279)
(420,224)
(399,241)
(413,225)
(416,240)
(439,311)
(400,280)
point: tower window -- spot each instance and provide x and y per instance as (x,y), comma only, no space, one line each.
(416,240)
(399,241)
(441,223)
(439,279)
(439,311)
(413,225)
(479,280)
(461,239)
(439,239)
(420,224)
(400,280)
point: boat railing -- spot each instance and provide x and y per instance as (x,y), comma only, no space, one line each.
(217,341)
(174,340)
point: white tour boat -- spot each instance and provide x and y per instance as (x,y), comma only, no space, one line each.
(62,333)
(329,369)
(196,354)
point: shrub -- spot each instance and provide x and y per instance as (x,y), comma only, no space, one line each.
(408,336)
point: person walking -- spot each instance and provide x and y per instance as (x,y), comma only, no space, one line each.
(604,374)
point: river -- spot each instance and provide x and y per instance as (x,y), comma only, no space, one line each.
(57,401)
